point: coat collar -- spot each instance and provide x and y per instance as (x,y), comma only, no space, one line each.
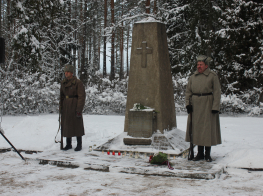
(206,72)
(71,81)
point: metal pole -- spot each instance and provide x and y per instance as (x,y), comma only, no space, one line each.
(191,149)
(12,146)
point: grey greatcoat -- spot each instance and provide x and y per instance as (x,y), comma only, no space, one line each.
(205,124)
(72,100)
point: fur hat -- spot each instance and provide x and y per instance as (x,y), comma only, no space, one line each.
(69,68)
(205,59)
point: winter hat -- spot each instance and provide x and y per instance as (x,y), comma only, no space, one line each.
(69,68)
(205,59)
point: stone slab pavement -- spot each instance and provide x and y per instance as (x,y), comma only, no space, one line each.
(132,164)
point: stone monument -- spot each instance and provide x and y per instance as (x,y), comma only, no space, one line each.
(150,107)
(150,81)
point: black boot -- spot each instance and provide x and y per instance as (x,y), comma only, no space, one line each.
(68,146)
(79,144)
(200,155)
(207,154)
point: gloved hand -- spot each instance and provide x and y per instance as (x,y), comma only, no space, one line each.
(189,109)
(215,111)
(78,114)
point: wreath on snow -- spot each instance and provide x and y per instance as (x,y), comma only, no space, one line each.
(160,159)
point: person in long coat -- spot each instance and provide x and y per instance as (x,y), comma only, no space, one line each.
(202,99)
(72,101)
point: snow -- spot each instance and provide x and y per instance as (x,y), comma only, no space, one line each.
(19,5)
(23,30)
(148,19)
(242,147)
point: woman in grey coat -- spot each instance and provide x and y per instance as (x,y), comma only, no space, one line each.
(203,101)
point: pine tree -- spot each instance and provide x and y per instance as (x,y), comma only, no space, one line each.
(239,46)
(41,42)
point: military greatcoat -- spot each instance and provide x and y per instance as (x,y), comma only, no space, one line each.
(72,100)
(205,124)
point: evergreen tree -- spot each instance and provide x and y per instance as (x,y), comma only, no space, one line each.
(239,46)
(228,31)
(41,42)
(189,28)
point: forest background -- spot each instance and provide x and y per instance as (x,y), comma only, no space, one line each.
(42,36)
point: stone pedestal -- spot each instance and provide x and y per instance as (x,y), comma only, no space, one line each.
(150,79)
(142,123)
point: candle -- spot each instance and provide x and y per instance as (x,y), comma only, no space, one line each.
(108,152)
(119,153)
(136,155)
(113,153)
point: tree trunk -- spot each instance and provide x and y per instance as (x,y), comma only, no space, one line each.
(82,42)
(69,48)
(0,18)
(8,9)
(99,41)
(104,39)
(147,6)
(75,35)
(95,56)
(112,73)
(155,8)
(83,76)
(128,34)
(209,27)
(121,48)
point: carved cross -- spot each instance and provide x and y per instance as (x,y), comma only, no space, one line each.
(144,50)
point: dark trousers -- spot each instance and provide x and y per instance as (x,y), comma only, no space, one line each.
(79,140)
(207,150)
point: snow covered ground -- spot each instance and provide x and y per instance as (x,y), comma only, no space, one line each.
(242,148)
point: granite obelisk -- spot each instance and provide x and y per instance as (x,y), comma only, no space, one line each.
(150,79)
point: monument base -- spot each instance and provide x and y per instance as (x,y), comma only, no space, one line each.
(171,142)
(102,162)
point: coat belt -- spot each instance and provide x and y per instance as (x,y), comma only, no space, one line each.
(71,96)
(202,94)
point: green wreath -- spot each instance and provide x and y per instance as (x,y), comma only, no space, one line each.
(159,158)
